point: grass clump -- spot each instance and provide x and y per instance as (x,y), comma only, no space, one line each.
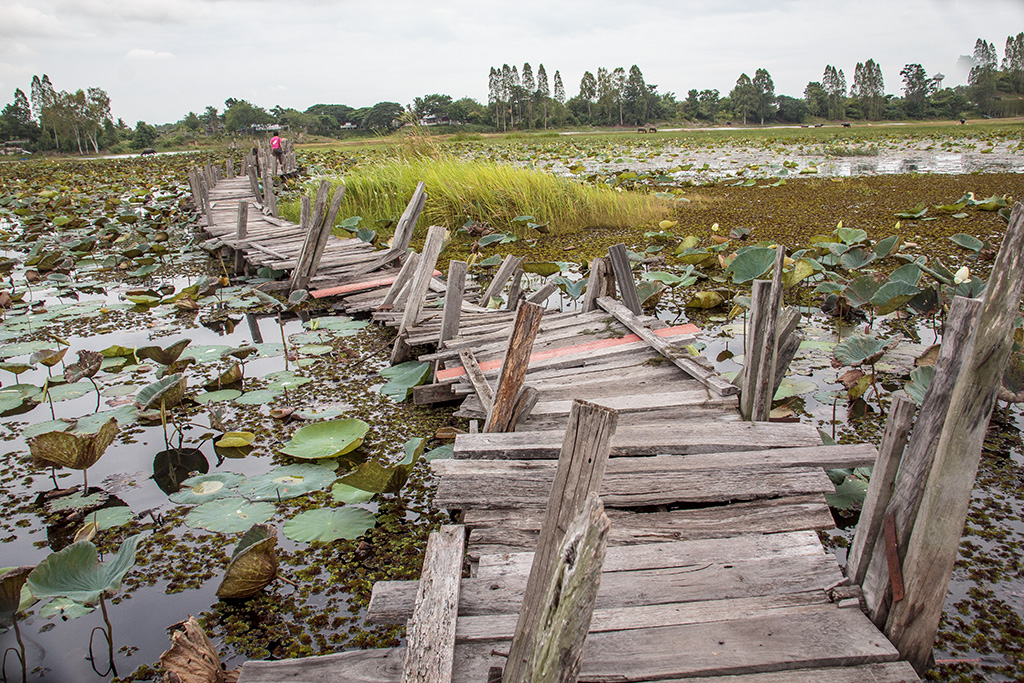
(460,191)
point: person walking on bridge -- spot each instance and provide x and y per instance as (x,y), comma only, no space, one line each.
(277,149)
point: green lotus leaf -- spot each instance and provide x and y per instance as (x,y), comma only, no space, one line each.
(12,592)
(229,515)
(649,292)
(910,273)
(78,501)
(9,400)
(259,397)
(77,451)
(885,246)
(76,573)
(217,396)
(48,357)
(226,378)
(284,483)
(327,413)
(751,263)
(917,386)
(892,296)
(253,563)
(491,260)
(168,390)
(663,277)
(206,487)
(206,354)
(235,440)
(108,518)
(860,349)
(851,235)
(402,378)
(860,290)
(440,453)
(857,258)
(849,495)
(377,478)
(794,387)
(326,439)
(802,269)
(241,353)
(315,349)
(65,392)
(22,348)
(335,323)
(285,380)
(705,300)
(163,356)
(917,212)
(329,524)
(65,609)
(366,235)
(542,268)
(967,242)
(343,493)
(15,368)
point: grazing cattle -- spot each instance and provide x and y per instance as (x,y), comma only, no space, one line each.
(148,151)
(641,130)
(652,130)
(846,125)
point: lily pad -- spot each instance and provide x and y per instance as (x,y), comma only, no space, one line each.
(229,515)
(378,478)
(343,493)
(235,440)
(77,501)
(169,391)
(849,495)
(76,573)
(284,483)
(329,524)
(751,263)
(65,609)
(66,392)
(253,563)
(108,518)
(402,378)
(285,379)
(77,451)
(207,487)
(860,349)
(217,396)
(326,439)
(258,397)
(917,386)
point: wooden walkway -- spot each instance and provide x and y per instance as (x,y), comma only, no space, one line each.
(714,570)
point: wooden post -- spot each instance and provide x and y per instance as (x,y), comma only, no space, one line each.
(920,453)
(204,190)
(455,289)
(515,290)
(935,538)
(326,228)
(305,212)
(505,270)
(418,290)
(477,379)
(269,201)
(254,184)
(580,470)
(624,278)
(514,367)
(542,294)
(763,394)
(298,279)
(430,651)
(883,476)
(229,168)
(241,229)
(403,277)
(788,344)
(601,283)
(403,233)
(760,295)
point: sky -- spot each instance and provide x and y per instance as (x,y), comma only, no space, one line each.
(160,59)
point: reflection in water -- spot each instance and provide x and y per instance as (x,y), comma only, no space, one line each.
(175,465)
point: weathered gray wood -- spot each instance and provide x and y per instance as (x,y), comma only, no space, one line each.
(542,294)
(515,290)
(453,296)
(325,233)
(601,282)
(886,672)
(683,439)
(430,649)
(624,278)
(579,473)
(298,278)
(513,368)
(920,452)
(883,476)
(476,376)
(935,539)
(229,168)
(564,615)
(504,272)
(254,184)
(269,201)
(680,357)
(305,211)
(358,666)
(402,280)
(403,233)
(240,232)
(768,358)
(753,348)
(418,289)
(525,403)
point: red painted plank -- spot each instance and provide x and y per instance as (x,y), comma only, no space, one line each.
(451,373)
(359,286)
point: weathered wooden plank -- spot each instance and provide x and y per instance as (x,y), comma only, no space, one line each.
(483,390)
(886,672)
(503,530)
(763,386)
(418,289)
(646,406)
(753,346)
(675,440)
(456,288)
(624,277)
(505,270)
(513,368)
(241,226)
(431,630)
(601,282)
(358,666)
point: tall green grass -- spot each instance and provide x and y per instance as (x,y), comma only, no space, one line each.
(460,191)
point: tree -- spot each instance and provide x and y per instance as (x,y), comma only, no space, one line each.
(383,116)
(869,89)
(605,93)
(529,93)
(692,103)
(241,116)
(744,97)
(191,121)
(145,135)
(816,99)
(982,78)
(708,104)
(543,91)
(915,89)
(436,105)
(210,119)
(559,88)
(619,88)
(515,90)
(1013,62)
(506,94)
(792,110)
(588,90)
(764,89)
(834,83)
(16,120)
(637,96)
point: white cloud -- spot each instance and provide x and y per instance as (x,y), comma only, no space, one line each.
(29,22)
(137,55)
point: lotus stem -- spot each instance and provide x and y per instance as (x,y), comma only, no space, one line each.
(108,634)
(284,341)
(19,653)
(97,388)
(288,581)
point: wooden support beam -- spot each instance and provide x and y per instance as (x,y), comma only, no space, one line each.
(254,184)
(430,652)
(229,168)
(525,403)
(505,271)
(515,290)
(418,290)
(241,228)
(600,283)
(305,212)
(477,379)
(453,296)
(513,368)
(580,470)
(769,341)
(401,280)
(269,201)
(935,539)
(679,357)
(403,233)
(624,278)
(760,294)
(883,476)
(542,294)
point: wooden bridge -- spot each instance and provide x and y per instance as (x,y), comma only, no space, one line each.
(700,560)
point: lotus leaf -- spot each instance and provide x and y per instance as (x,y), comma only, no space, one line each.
(259,397)
(856,258)
(572,289)
(850,236)
(235,440)
(65,392)
(917,212)
(65,609)
(860,290)
(885,246)
(205,354)
(164,356)
(917,386)
(802,269)
(542,268)
(893,295)
(22,348)
(327,413)
(993,203)
(440,453)
(790,387)
(284,483)
(860,349)
(48,357)
(649,293)
(217,396)
(76,573)
(207,487)
(108,518)
(315,349)
(77,451)
(402,378)
(168,390)
(285,380)
(229,515)
(326,439)
(967,242)
(13,592)
(329,524)
(253,563)
(9,400)
(372,476)
(751,263)
(78,501)
(343,493)
(15,368)
(849,495)
(705,300)
(663,277)
(492,260)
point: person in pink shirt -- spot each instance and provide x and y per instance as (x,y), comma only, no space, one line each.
(277,149)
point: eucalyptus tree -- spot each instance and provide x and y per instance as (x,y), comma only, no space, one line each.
(505,96)
(744,97)
(816,98)
(559,97)
(916,88)
(619,86)
(588,90)
(1013,62)
(605,93)
(834,82)
(869,89)
(764,90)
(543,91)
(515,91)
(529,90)
(982,78)
(637,95)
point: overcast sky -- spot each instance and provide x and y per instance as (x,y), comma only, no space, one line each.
(160,59)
